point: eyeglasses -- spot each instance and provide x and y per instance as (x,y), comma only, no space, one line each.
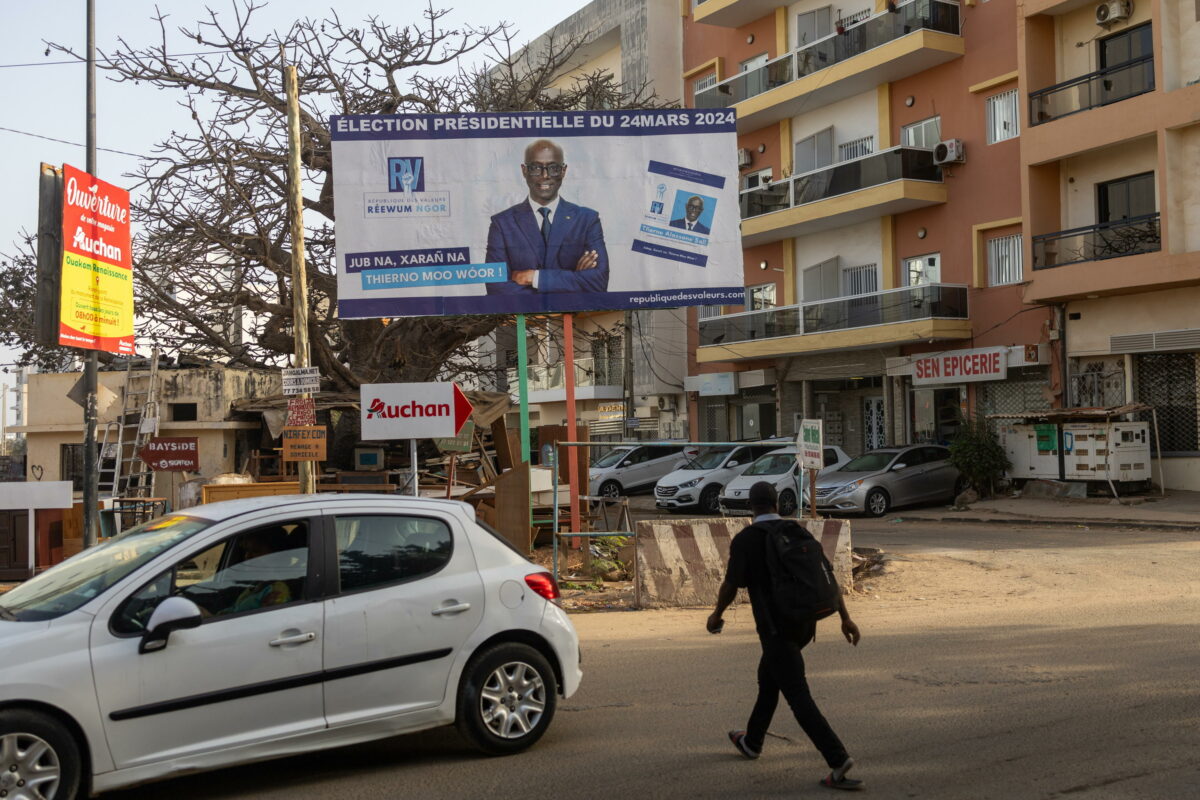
(696,205)
(538,170)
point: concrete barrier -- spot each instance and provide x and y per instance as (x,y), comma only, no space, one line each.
(682,562)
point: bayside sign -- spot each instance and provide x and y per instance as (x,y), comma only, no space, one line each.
(172,454)
(962,366)
(412,410)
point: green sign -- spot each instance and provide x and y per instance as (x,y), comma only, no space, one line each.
(462,443)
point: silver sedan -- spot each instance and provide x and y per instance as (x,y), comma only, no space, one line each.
(882,479)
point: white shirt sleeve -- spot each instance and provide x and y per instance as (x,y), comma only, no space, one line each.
(536,274)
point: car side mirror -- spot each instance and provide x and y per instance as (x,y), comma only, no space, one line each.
(732,464)
(626,463)
(901,465)
(172,614)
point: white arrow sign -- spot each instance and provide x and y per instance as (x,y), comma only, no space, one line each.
(412,410)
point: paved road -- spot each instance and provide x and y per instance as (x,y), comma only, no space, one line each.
(997,662)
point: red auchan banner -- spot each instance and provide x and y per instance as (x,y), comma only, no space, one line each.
(962,366)
(96,306)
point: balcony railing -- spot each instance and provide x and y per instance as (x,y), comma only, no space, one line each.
(911,303)
(876,30)
(911,163)
(588,372)
(1101,88)
(1124,237)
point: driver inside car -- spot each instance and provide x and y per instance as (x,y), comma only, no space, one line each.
(262,593)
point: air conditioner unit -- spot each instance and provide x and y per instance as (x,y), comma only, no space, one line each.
(666,403)
(1113,11)
(745,159)
(950,151)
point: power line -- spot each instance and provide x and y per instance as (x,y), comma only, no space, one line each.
(114,60)
(73,144)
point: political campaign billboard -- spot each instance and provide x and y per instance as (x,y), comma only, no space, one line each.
(447,214)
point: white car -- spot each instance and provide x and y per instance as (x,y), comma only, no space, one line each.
(627,468)
(264,627)
(697,484)
(780,469)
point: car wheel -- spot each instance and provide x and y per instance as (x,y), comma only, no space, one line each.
(610,489)
(710,500)
(787,503)
(40,757)
(878,502)
(507,699)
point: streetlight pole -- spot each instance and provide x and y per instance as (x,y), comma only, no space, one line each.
(91,366)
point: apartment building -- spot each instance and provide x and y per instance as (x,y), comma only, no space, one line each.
(1110,191)
(883,220)
(633,391)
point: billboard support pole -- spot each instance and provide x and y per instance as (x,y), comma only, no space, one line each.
(91,462)
(572,419)
(523,385)
(306,470)
(416,476)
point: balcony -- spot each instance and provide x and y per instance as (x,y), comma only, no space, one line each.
(930,311)
(595,379)
(884,47)
(1125,237)
(732,13)
(889,182)
(1101,88)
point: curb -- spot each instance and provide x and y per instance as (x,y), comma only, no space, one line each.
(1052,521)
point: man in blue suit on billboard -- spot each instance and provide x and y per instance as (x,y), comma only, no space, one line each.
(549,244)
(691,216)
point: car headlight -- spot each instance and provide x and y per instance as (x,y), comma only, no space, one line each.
(848,488)
(690,484)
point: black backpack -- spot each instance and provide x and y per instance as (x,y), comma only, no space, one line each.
(801,583)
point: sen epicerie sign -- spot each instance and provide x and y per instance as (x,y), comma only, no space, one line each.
(962,366)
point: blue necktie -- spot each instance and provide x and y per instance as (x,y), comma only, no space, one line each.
(545,212)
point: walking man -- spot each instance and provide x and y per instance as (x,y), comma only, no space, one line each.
(781,668)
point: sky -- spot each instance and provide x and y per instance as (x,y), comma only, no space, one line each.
(49,100)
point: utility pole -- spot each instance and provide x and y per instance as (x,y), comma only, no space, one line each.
(91,364)
(304,469)
(628,379)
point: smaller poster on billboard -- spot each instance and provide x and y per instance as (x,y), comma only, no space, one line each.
(96,304)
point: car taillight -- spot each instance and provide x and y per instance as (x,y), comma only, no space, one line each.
(543,583)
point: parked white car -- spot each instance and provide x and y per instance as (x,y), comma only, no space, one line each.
(697,484)
(627,468)
(780,469)
(257,628)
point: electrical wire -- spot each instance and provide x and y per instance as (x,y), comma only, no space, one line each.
(73,144)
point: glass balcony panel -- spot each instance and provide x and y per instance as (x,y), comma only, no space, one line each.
(909,163)
(1093,90)
(588,372)
(1126,237)
(766,324)
(856,39)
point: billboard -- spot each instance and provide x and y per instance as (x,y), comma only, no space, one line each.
(96,301)
(447,214)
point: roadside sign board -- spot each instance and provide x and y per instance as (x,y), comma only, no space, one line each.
(463,443)
(172,454)
(412,411)
(301,411)
(304,442)
(299,380)
(809,444)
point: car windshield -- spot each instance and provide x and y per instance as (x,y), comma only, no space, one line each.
(869,462)
(612,458)
(67,586)
(773,464)
(709,459)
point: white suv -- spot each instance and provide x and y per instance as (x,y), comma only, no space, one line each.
(780,469)
(697,484)
(265,627)
(627,468)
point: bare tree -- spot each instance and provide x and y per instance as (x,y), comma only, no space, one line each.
(212,258)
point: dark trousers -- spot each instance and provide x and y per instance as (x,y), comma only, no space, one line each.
(781,669)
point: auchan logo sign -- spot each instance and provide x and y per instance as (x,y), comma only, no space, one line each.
(962,366)
(413,410)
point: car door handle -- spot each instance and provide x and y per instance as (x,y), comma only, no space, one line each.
(457,608)
(295,638)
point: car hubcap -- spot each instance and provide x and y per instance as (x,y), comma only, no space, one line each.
(877,504)
(30,768)
(513,700)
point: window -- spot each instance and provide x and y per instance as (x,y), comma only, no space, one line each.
(1168,381)
(860,280)
(378,550)
(258,568)
(1003,121)
(760,297)
(829,456)
(814,152)
(756,82)
(922,270)
(1125,198)
(813,25)
(706,82)
(1004,260)
(856,148)
(708,312)
(756,179)
(70,465)
(182,412)
(926,133)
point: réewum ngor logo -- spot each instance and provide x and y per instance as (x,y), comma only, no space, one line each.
(406,196)
(406,174)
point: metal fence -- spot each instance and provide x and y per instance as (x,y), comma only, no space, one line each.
(1168,381)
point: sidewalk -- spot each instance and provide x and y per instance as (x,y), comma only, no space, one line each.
(1178,510)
